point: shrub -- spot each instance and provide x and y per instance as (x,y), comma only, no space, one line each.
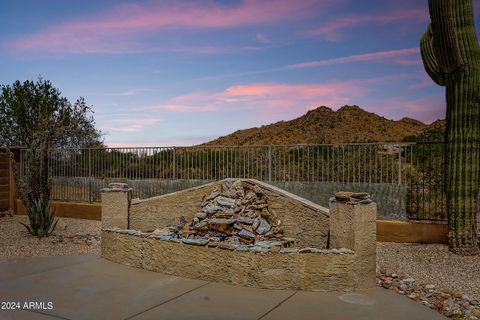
(42,221)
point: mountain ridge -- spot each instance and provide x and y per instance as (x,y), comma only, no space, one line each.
(348,124)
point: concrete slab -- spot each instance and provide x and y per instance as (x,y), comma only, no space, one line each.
(88,287)
(26,266)
(375,303)
(24,315)
(96,289)
(219,301)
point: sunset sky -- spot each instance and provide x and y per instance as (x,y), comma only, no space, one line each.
(167,72)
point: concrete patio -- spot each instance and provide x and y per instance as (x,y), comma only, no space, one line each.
(89,287)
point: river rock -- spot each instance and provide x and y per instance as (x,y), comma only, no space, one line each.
(226,202)
(201,215)
(196,242)
(263,227)
(246,234)
(211,208)
(221,221)
(215,193)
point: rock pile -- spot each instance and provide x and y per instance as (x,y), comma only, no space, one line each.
(235,214)
(452,304)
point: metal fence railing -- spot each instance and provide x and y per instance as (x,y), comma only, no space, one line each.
(78,175)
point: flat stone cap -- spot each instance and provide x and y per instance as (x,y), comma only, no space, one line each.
(116,186)
(351,197)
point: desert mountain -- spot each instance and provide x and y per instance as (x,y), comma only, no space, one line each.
(323,125)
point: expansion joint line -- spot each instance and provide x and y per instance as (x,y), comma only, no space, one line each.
(278,305)
(166,301)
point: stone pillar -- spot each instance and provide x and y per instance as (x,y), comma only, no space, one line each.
(116,205)
(353,226)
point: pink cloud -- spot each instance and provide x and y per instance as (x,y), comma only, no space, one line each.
(125,123)
(162,141)
(427,109)
(262,38)
(128,93)
(115,31)
(331,31)
(391,56)
(426,82)
(267,99)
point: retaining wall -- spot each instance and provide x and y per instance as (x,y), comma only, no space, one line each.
(348,263)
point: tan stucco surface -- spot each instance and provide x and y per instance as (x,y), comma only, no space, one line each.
(115,209)
(352,226)
(305,271)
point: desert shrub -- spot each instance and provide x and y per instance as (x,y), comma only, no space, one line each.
(42,221)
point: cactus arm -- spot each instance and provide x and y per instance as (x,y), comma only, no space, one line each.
(429,59)
(445,40)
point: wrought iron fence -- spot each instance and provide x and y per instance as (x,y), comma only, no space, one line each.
(78,175)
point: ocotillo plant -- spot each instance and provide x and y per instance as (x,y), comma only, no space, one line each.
(451,56)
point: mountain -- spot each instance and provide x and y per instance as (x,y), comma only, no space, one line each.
(323,125)
(434,132)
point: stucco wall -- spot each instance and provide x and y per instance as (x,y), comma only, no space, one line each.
(305,271)
(158,212)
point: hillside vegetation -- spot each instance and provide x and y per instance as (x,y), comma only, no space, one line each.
(323,125)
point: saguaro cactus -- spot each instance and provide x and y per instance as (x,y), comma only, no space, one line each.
(451,56)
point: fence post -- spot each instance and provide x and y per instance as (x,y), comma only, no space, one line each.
(400,165)
(270,163)
(90,198)
(174,165)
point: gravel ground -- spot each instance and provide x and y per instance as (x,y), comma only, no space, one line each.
(71,237)
(431,264)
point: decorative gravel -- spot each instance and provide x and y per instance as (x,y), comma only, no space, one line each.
(431,275)
(71,237)
(432,264)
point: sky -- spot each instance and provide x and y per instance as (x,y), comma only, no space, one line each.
(165,72)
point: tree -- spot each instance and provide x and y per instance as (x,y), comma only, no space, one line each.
(451,56)
(34,115)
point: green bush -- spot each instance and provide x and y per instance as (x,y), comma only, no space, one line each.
(42,221)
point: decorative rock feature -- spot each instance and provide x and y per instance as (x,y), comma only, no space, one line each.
(352,197)
(451,304)
(233,234)
(235,213)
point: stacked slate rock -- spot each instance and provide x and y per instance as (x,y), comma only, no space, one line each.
(233,217)
(352,197)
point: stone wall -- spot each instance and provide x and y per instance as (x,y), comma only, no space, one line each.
(348,264)
(302,219)
(296,271)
